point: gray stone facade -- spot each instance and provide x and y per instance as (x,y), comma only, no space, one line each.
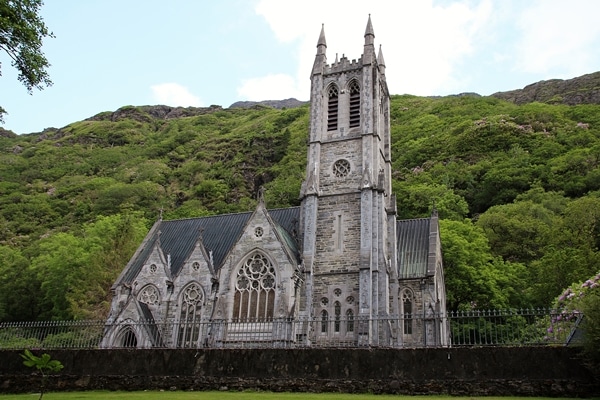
(341,258)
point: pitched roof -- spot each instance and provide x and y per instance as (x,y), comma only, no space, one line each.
(219,233)
(413,247)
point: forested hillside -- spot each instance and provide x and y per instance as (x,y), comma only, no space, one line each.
(517,188)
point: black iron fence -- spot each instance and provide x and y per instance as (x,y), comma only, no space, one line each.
(468,328)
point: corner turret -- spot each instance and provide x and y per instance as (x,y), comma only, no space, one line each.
(321,57)
(369,51)
(381,62)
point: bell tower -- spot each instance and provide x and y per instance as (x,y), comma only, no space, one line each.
(348,214)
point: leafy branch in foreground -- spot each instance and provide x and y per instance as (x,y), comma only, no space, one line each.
(22,31)
(44,364)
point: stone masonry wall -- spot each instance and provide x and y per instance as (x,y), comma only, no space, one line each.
(518,371)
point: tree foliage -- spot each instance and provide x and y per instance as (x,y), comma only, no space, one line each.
(516,187)
(22,31)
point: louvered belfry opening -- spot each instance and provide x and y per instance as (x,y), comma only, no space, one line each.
(354,104)
(332,108)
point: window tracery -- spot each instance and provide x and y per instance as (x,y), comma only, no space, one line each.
(149,295)
(255,284)
(341,168)
(191,303)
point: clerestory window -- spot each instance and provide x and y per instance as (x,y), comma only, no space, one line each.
(332,108)
(254,298)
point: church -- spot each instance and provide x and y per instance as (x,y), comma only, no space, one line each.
(339,270)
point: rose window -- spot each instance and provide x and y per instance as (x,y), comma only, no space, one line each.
(341,168)
(149,295)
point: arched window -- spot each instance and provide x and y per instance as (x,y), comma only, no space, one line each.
(191,302)
(149,295)
(127,338)
(407,311)
(324,321)
(254,298)
(354,104)
(349,321)
(337,309)
(332,108)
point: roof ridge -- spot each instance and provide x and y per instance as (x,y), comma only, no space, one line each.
(222,215)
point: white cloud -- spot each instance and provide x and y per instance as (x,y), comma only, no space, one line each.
(559,38)
(270,87)
(175,95)
(423,43)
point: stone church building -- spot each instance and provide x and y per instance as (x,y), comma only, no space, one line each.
(340,269)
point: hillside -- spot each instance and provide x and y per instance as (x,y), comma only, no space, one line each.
(517,187)
(581,90)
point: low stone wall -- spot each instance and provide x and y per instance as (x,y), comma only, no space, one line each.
(523,371)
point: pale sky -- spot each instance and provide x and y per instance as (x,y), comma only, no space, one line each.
(112,53)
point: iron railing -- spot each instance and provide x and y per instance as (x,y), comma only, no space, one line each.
(468,328)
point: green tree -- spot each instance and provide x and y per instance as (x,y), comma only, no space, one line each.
(518,231)
(475,279)
(22,31)
(77,270)
(573,252)
(18,287)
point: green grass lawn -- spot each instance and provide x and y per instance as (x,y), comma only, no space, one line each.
(153,395)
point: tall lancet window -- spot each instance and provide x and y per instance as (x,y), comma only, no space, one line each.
(332,108)
(254,298)
(407,311)
(191,302)
(337,309)
(354,104)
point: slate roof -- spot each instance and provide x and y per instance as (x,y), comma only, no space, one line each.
(413,247)
(219,234)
